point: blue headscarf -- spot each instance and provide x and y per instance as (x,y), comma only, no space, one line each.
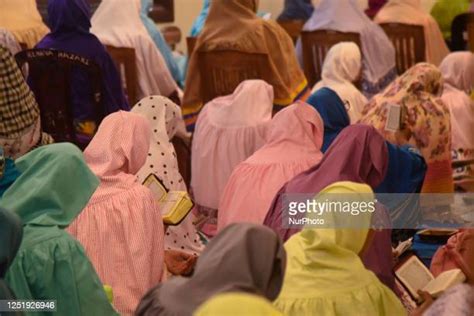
(296,10)
(405,175)
(331,109)
(159,40)
(10,174)
(200,20)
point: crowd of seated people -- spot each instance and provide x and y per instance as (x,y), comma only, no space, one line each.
(116,227)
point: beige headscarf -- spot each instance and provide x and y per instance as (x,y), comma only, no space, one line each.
(23,20)
(233,25)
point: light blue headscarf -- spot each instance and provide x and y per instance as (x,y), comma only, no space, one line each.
(200,20)
(159,40)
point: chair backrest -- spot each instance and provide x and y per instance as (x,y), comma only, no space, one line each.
(470,31)
(125,60)
(316,45)
(409,43)
(191,43)
(222,71)
(183,155)
(293,28)
(50,77)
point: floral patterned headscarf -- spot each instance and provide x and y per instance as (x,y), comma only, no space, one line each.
(426,124)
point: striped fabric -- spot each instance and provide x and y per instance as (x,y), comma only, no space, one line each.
(121,228)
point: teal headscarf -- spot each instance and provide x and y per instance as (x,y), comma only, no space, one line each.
(159,40)
(11,232)
(54,186)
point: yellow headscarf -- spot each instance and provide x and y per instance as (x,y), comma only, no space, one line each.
(237,304)
(325,275)
(21,17)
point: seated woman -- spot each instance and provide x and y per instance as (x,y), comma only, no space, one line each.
(293,146)
(121,227)
(325,274)
(411,12)
(20,124)
(341,69)
(296,10)
(426,125)
(23,20)
(377,50)
(11,234)
(243,258)
(158,39)
(70,23)
(234,25)
(54,186)
(458,73)
(166,122)
(117,23)
(228,131)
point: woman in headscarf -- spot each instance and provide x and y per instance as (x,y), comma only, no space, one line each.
(411,12)
(236,304)
(70,23)
(325,274)
(11,233)
(333,112)
(117,23)
(23,20)
(341,69)
(378,68)
(121,228)
(374,7)
(228,131)
(293,146)
(425,124)
(166,122)
(458,73)
(242,258)
(199,22)
(296,10)
(234,25)
(54,187)
(158,39)
(20,124)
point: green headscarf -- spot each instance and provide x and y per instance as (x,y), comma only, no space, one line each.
(54,187)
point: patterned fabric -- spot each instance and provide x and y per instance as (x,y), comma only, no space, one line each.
(166,121)
(427,123)
(121,228)
(20,127)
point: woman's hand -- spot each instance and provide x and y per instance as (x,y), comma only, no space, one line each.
(180,263)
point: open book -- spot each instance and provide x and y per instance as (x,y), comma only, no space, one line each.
(414,276)
(174,205)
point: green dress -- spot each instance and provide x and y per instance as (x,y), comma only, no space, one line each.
(444,12)
(54,186)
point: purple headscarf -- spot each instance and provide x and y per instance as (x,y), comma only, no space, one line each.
(70,23)
(358,154)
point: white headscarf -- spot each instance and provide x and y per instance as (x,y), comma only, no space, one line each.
(458,72)
(166,122)
(346,16)
(117,23)
(341,68)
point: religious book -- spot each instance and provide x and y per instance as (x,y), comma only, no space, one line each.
(174,205)
(414,276)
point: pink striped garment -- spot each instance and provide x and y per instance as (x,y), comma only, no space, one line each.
(121,228)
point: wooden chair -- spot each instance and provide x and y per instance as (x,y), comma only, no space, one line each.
(292,27)
(125,60)
(183,155)
(191,43)
(409,43)
(222,71)
(316,45)
(50,77)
